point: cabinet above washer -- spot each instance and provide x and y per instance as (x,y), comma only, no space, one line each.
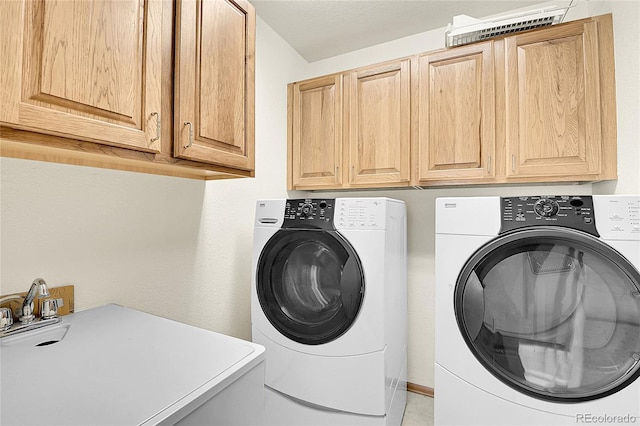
(351,129)
(534,107)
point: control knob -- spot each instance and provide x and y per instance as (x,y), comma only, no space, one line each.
(306,210)
(546,207)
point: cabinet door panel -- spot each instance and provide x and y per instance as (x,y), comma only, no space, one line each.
(222,74)
(317,132)
(379,125)
(456,114)
(90,70)
(215,45)
(553,102)
(88,64)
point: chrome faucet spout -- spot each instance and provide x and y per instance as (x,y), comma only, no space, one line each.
(38,289)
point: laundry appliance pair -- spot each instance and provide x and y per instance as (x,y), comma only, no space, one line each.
(329,303)
(537,310)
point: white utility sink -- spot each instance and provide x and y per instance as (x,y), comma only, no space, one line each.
(116,366)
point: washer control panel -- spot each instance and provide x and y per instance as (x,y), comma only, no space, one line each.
(309,213)
(362,213)
(574,212)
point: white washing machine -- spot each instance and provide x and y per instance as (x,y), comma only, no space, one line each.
(329,303)
(537,310)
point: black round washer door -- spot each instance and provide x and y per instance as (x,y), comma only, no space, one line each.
(553,313)
(310,284)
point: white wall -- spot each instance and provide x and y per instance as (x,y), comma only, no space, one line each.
(182,249)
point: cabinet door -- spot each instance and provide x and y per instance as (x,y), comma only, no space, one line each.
(456,108)
(316,132)
(379,125)
(214,82)
(553,102)
(89,70)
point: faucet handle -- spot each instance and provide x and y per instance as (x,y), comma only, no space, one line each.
(6,319)
(49,309)
(25,313)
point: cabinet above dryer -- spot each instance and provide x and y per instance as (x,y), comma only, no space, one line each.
(534,107)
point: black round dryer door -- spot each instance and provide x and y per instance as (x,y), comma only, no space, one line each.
(310,284)
(553,313)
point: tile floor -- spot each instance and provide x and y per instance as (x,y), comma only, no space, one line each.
(419,410)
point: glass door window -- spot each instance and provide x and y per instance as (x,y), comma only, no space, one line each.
(310,284)
(554,313)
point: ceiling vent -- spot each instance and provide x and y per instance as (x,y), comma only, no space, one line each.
(465,29)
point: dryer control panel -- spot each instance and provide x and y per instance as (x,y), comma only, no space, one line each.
(574,212)
(309,213)
(618,216)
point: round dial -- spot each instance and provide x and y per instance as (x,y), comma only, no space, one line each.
(306,209)
(546,207)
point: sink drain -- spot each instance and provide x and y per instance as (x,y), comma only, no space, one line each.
(48,342)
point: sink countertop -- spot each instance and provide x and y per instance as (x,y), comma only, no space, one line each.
(116,366)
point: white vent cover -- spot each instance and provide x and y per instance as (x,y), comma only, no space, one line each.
(465,29)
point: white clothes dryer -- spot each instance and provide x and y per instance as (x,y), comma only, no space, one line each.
(329,303)
(537,310)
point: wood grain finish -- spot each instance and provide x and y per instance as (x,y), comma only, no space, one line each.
(87,63)
(534,107)
(28,145)
(91,134)
(222,75)
(74,150)
(420,389)
(608,120)
(456,114)
(88,70)
(214,82)
(316,137)
(351,129)
(380,124)
(553,102)
(110,112)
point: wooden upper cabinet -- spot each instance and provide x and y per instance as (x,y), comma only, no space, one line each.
(214,82)
(554,101)
(315,132)
(88,70)
(456,109)
(379,117)
(537,106)
(352,129)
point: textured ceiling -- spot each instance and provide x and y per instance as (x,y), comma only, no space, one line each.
(319,29)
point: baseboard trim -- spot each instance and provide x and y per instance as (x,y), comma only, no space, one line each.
(422,390)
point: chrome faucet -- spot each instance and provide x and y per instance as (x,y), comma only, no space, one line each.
(48,315)
(38,289)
